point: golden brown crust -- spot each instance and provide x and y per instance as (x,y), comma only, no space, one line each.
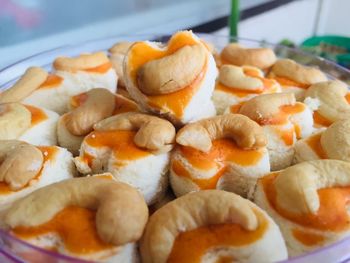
(302,74)
(173,72)
(84,61)
(266,106)
(190,212)
(331,95)
(121,210)
(30,81)
(335,141)
(20,163)
(296,187)
(245,132)
(258,57)
(153,133)
(98,106)
(232,76)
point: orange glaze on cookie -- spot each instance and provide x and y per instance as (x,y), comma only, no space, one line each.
(74,225)
(38,115)
(267,87)
(141,53)
(52,81)
(331,216)
(87,158)
(288,82)
(314,142)
(241,93)
(178,100)
(308,238)
(78,100)
(49,153)
(203,184)
(235,108)
(121,143)
(320,120)
(101,69)
(221,152)
(287,135)
(190,246)
(285,112)
(124,105)
(347,97)
(297,130)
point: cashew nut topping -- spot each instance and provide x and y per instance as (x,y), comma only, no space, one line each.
(297,72)
(296,187)
(20,163)
(245,132)
(15,119)
(189,212)
(121,210)
(258,57)
(120,48)
(153,133)
(173,72)
(30,81)
(84,61)
(98,106)
(117,55)
(266,106)
(335,141)
(233,76)
(331,94)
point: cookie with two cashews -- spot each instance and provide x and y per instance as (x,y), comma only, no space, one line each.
(93,218)
(25,168)
(283,120)
(309,203)
(28,123)
(332,143)
(294,77)
(175,80)
(87,109)
(70,77)
(238,84)
(224,152)
(196,228)
(330,100)
(235,54)
(134,147)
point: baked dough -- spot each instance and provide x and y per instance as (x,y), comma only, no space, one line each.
(201,211)
(87,109)
(295,77)
(308,202)
(26,168)
(117,206)
(134,147)
(283,120)
(235,85)
(175,80)
(28,123)
(225,152)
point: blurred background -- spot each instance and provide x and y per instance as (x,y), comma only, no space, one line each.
(31,26)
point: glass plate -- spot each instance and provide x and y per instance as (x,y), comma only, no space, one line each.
(15,250)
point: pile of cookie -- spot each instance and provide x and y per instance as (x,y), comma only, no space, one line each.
(175,152)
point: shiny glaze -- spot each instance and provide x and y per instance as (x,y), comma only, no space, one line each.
(190,246)
(74,225)
(331,216)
